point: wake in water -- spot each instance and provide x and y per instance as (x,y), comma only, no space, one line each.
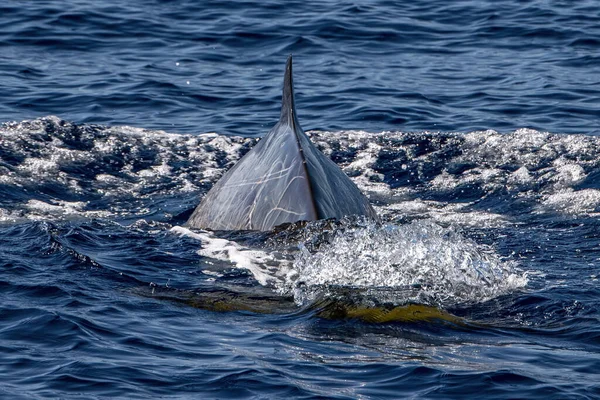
(426,186)
(374,265)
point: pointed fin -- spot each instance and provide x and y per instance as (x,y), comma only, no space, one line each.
(269,186)
(333,193)
(284,178)
(288,104)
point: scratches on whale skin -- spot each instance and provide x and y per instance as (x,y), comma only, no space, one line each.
(283,179)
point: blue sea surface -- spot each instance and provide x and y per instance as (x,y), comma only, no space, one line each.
(472,126)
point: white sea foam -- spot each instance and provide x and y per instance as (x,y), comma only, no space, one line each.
(566,174)
(40,210)
(575,202)
(440,176)
(38,166)
(258,262)
(8,217)
(521,177)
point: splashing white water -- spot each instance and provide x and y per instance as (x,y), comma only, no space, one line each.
(465,179)
(442,266)
(421,262)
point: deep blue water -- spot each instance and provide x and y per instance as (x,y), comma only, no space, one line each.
(419,65)
(471,125)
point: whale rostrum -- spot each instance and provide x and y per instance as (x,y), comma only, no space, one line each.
(283,178)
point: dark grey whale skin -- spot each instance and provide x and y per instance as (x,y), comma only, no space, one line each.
(284,178)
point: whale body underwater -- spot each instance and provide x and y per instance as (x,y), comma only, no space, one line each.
(284,178)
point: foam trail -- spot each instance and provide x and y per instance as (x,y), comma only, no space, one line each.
(420,262)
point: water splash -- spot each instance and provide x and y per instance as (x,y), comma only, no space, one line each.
(420,262)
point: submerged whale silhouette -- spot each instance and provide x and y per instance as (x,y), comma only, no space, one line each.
(284,178)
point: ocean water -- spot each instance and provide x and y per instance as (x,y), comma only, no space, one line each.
(472,126)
